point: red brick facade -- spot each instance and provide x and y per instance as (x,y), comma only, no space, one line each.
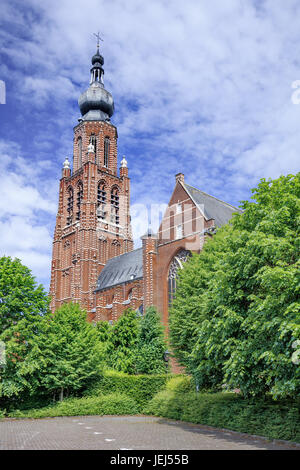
(93,260)
(82,248)
(158,253)
(93,220)
(111,303)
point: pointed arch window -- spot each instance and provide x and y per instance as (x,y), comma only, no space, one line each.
(176,264)
(79,199)
(79,144)
(93,140)
(101,201)
(70,200)
(115,203)
(106,151)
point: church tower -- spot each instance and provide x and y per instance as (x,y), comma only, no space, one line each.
(93,220)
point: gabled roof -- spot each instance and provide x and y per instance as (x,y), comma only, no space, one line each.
(120,269)
(210,206)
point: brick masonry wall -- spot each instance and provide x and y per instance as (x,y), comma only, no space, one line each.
(81,248)
(111,303)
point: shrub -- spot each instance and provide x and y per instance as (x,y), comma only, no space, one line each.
(276,420)
(181,384)
(151,345)
(121,343)
(140,387)
(112,404)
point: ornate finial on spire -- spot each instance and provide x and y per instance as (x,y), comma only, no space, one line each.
(98,39)
(124,162)
(66,164)
(96,103)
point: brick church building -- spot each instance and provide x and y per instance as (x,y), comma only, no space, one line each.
(94,262)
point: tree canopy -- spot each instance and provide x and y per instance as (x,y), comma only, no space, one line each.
(134,344)
(54,354)
(70,351)
(20,296)
(151,345)
(236,315)
(122,341)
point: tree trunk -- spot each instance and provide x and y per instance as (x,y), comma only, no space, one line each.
(61,395)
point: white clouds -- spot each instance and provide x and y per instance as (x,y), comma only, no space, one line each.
(145,216)
(42,90)
(20,192)
(18,234)
(202,87)
(23,208)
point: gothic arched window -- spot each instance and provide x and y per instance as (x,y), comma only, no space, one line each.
(70,205)
(129,296)
(79,199)
(101,201)
(93,140)
(115,205)
(176,264)
(106,151)
(79,143)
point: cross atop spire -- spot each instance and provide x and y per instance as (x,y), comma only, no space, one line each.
(98,39)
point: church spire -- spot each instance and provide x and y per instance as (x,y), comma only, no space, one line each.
(96,103)
(97,70)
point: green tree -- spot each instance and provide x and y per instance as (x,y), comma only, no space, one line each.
(122,342)
(19,375)
(151,345)
(236,314)
(104,330)
(57,354)
(70,352)
(20,296)
(24,307)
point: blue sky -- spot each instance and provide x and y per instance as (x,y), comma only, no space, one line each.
(200,87)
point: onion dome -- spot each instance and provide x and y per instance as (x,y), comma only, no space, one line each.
(97,58)
(96,103)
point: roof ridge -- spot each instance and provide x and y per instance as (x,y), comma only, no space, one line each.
(123,254)
(213,197)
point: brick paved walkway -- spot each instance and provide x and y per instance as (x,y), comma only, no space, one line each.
(122,432)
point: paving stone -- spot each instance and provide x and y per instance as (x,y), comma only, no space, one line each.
(124,432)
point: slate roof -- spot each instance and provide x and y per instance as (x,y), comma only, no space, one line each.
(212,207)
(121,269)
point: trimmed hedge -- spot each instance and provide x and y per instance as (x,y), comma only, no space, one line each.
(174,397)
(275,420)
(112,404)
(141,388)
